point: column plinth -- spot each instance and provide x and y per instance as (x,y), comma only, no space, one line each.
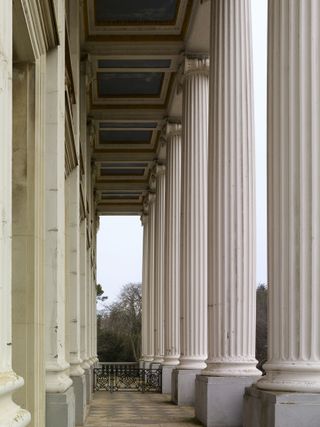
(194,164)
(172,246)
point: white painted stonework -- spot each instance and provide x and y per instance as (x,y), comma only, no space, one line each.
(194,194)
(151,278)
(293,197)
(231,195)
(159,264)
(172,246)
(145,272)
(10,413)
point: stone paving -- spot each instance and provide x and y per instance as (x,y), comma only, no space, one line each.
(122,409)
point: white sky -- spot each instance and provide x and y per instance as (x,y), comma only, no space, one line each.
(120,238)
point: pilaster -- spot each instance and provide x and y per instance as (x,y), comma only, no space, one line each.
(10,413)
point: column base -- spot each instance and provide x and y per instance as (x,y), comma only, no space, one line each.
(10,413)
(183,386)
(80,394)
(147,365)
(167,379)
(280,409)
(219,400)
(89,384)
(60,409)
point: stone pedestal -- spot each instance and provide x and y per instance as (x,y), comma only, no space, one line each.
(155,365)
(167,379)
(80,394)
(88,376)
(60,409)
(183,386)
(280,409)
(219,400)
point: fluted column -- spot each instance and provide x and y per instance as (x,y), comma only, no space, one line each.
(194,158)
(10,413)
(151,275)
(231,194)
(172,246)
(159,264)
(145,272)
(293,197)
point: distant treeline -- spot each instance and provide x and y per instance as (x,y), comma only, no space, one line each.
(119,326)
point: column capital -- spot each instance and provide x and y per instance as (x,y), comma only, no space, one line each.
(196,65)
(160,170)
(172,129)
(193,65)
(151,198)
(144,219)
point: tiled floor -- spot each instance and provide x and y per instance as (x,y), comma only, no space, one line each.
(136,409)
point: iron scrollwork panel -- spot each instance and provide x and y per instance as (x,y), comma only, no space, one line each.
(124,379)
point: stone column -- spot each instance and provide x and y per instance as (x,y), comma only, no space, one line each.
(231,364)
(10,413)
(73,277)
(292,380)
(172,255)
(151,274)
(145,272)
(194,164)
(60,395)
(159,265)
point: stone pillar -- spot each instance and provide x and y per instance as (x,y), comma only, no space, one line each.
(145,272)
(151,274)
(60,395)
(10,413)
(231,364)
(194,164)
(73,277)
(172,255)
(159,265)
(291,385)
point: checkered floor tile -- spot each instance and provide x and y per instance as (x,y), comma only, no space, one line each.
(136,409)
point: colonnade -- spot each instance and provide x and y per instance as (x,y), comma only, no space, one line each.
(209,269)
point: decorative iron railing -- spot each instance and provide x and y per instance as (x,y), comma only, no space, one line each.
(126,377)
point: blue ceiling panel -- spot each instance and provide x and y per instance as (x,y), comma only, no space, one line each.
(129,84)
(122,136)
(135,11)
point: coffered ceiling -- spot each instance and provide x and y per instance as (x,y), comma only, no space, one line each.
(134,49)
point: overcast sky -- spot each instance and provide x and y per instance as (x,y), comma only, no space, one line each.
(120,238)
